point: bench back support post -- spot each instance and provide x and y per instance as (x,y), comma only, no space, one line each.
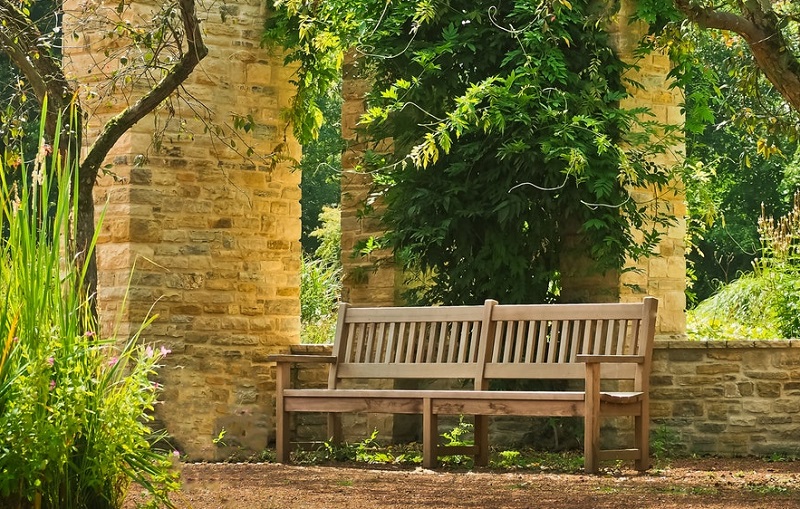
(486,341)
(339,345)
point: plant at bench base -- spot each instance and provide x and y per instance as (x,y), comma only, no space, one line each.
(458,437)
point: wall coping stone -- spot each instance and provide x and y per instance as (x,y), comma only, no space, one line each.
(686,344)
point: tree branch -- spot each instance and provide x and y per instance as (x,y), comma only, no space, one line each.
(117,126)
(761,30)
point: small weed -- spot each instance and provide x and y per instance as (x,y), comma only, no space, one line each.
(458,437)
(219,439)
(344,482)
(520,486)
(663,442)
(510,459)
(779,457)
(766,489)
(688,490)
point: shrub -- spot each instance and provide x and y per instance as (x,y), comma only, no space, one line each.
(74,406)
(763,304)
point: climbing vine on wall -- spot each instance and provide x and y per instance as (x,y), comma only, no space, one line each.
(506,135)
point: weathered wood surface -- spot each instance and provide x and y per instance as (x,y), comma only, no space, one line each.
(587,342)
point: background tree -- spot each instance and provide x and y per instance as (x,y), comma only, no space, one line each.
(162,54)
(321,169)
(734,168)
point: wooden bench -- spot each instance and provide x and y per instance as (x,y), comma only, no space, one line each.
(583,342)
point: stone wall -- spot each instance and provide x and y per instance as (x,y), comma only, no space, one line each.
(724,398)
(728,398)
(213,234)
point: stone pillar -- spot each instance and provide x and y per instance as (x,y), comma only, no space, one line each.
(371,280)
(211,234)
(662,275)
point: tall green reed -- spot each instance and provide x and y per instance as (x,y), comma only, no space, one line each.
(74,406)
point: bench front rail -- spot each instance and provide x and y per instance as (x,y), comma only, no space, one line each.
(585,342)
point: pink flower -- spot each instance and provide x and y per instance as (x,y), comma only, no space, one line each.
(15,339)
(51,361)
(149,352)
(165,351)
(176,454)
(89,334)
(113,361)
(156,386)
(52,384)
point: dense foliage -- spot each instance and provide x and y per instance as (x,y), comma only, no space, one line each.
(734,166)
(506,134)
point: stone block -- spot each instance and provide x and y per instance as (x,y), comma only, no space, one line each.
(768,389)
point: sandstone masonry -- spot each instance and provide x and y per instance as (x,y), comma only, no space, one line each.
(212,237)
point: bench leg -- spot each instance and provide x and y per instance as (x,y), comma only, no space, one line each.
(642,438)
(335,428)
(591,437)
(281,416)
(481,440)
(430,435)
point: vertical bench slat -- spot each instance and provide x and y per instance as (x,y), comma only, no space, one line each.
(621,335)
(587,337)
(473,341)
(508,341)
(422,340)
(636,345)
(377,355)
(496,347)
(520,342)
(370,339)
(386,356)
(576,338)
(530,343)
(348,352)
(609,336)
(398,345)
(409,344)
(564,342)
(458,332)
(432,342)
(541,343)
(553,341)
(451,349)
(598,337)
(441,348)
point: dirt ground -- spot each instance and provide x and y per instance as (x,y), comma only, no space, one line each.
(711,483)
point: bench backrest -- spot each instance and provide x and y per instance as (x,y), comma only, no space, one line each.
(409,342)
(543,341)
(492,341)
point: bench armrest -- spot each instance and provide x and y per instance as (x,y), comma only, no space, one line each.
(302,359)
(634,359)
